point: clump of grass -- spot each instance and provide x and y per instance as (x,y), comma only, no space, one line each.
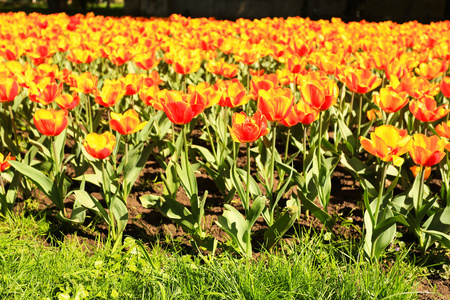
(307,269)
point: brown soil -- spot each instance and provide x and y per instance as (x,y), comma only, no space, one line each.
(150,226)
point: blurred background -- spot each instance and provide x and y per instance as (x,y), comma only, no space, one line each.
(424,11)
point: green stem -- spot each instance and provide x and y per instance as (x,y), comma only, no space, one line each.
(247,190)
(305,152)
(351,108)
(380,191)
(89,112)
(107,193)
(358,130)
(2,185)
(272,158)
(287,144)
(205,120)
(319,147)
(419,205)
(14,128)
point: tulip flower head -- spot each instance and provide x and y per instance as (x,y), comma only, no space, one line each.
(389,100)
(415,170)
(246,129)
(4,164)
(68,101)
(50,122)
(126,123)
(426,109)
(275,104)
(388,143)
(9,89)
(427,151)
(100,146)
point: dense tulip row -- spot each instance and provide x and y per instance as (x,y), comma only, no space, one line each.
(321,87)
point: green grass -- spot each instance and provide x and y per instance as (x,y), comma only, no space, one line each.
(308,269)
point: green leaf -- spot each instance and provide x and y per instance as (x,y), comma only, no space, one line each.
(91,203)
(171,209)
(48,187)
(135,166)
(120,213)
(320,214)
(237,183)
(275,232)
(234,224)
(443,238)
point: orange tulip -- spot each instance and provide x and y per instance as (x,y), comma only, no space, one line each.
(149,94)
(415,170)
(427,151)
(81,56)
(179,107)
(296,64)
(186,62)
(264,82)
(99,146)
(146,61)
(275,104)
(111,93)
(445,86)
(389,100)
(373,114)
(360,81)
(45,92)
(86,83)
(4,164)
(432,69)
(204,94)
(246,129)
(320,95)
(126,123)
(426,110)
(50,122)
(68,101)
(388,143)
(131,83)
(9,89)
(246,56)
(443,130)
(233,93)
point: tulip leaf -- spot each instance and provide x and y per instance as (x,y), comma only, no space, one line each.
(171,209)
(234,224)
(48,187)
(443,238)
(91,203)
(41,147)
(440,222)
(237,183)
(135,166)
(275,232)
(319,213)
(120,213)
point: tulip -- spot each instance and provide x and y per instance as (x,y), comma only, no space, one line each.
(360,81)
(443,130)
(146,61)
(427,151)
(50,122)
(275,104)
(86,83)
(46,91)
(100,146)
(320,95)
(126,123)
(111,93)
(264,82)
(68,101)
(445,86)
(388,143)
(373,114)
(4,164)
(389,100)
(426,110)
(9,89)
(132,83)
(179,107)
(233,93)
(415,170)
(246,129)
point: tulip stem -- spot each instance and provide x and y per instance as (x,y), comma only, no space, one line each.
(89,111)
(272,159)
(319,147)
(341,104)
(380,191)
(304,150)
(247,190)
(2,185)
(205,119)
(287,144)
(13,123)
(351,108)
(358,130)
